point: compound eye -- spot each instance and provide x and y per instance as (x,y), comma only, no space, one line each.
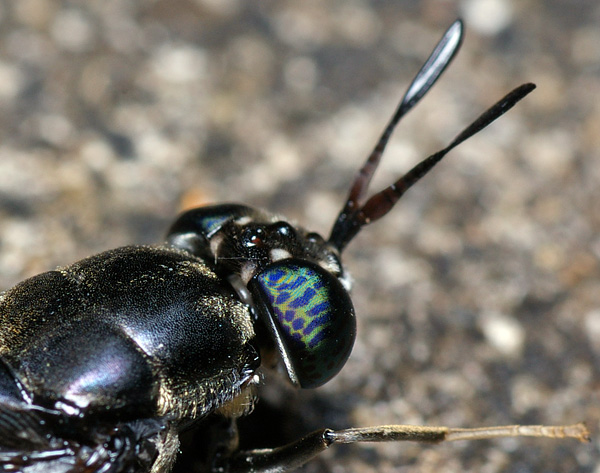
(192,229)
(311,316)
(211,219)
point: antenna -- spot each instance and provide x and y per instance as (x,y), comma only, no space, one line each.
(354,215)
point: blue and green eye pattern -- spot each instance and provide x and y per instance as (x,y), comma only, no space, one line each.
(212,218)
(206,221)
(212,223)
(312,316)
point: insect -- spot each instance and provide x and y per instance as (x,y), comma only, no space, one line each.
(103,363)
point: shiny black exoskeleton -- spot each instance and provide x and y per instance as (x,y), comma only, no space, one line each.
(104,362)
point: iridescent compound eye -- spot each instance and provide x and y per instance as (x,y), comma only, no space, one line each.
(311,316)
(194,228)
(208,220)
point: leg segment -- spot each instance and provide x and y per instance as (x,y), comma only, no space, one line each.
(297,453)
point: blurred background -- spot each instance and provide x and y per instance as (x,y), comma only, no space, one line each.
(478,297)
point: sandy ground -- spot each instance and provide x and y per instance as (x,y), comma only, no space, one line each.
(478,297)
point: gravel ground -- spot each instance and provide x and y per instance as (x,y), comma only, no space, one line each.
(478,297)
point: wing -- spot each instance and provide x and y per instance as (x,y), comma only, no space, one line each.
(33,440)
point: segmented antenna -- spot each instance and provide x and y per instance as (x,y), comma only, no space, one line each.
(354,216)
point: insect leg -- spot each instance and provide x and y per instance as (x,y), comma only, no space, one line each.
(224,441)
(295,454)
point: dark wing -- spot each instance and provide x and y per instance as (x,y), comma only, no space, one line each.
(33,440)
